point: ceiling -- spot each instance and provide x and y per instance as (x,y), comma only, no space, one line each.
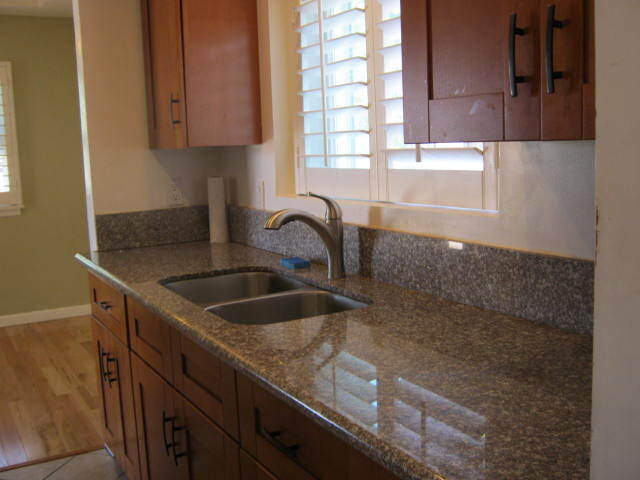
(38,8)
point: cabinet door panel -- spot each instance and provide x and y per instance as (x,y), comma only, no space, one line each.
(206,381)
(562,109)
(221,72)
(164,69)
(111,420)
(154,415)
(119,428)
(150,338)
(202,447)
(479,117)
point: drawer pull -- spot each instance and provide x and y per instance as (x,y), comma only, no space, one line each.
(105,306)
(290,451)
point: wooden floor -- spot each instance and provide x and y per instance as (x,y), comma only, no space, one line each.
(48,392)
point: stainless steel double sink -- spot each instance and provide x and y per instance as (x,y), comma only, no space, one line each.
(260,298)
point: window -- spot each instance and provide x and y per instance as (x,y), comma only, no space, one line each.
(350,141)
(10,193)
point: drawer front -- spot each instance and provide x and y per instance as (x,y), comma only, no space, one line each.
(287,443)
(150,338)
(206,381)
(252,470)
(108,306)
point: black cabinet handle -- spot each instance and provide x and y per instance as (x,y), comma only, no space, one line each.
(174,443)
(165,420)
(290,451)
(552,24)
(107,374)
(172,102)
(106,306)
(514,79)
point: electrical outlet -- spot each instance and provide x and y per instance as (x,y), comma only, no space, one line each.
(176,197)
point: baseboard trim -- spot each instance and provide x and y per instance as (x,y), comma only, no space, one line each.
(44,315)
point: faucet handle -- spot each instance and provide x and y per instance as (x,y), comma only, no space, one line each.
(334,212)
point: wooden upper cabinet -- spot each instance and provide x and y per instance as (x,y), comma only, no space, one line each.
(221,72)
(162,34)
(477,71)
(203,85)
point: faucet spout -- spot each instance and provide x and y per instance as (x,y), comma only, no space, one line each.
(330,231)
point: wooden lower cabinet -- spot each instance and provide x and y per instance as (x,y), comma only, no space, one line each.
(171,410)
(114,379)
(177,441)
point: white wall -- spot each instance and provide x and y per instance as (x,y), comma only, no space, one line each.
(122,174)
(547,188)
(616,395)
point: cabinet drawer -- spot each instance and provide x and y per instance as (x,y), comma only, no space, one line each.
(252,470)
(206,381)
(287,443)
(150,338)
(108,306)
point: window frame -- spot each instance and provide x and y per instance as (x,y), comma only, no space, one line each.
(378,172)
(10,202)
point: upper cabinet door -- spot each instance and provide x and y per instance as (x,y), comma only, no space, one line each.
(467,70)
(164,68)
(458,94)
(562,60)
(497,70)
(221,72)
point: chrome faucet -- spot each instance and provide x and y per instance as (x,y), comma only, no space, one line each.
(329,229)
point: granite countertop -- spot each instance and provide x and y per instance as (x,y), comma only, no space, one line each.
(429,388)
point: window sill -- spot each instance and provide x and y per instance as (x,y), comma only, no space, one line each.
(10,210)
(405,206)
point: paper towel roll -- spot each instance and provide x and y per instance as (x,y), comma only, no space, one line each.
(218,227)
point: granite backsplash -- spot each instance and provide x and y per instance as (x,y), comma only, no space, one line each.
(545,289)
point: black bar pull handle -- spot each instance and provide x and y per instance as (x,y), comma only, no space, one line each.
(109,373)
(552,24)
(166,419)
(174,443)
(514,79)
(272,437)
(106,306)
(173,101)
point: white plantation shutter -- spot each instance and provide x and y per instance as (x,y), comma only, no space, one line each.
(335,144)
(351,141)
(10,193)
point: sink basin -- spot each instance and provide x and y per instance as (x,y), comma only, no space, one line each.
(285,307)
(207,291)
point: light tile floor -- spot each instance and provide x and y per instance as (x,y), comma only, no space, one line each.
(96,465)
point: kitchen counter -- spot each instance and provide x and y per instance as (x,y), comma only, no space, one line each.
(427,387)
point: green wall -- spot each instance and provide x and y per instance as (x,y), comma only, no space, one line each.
(37,270)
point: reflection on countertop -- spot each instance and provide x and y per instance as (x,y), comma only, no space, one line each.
(428,387)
